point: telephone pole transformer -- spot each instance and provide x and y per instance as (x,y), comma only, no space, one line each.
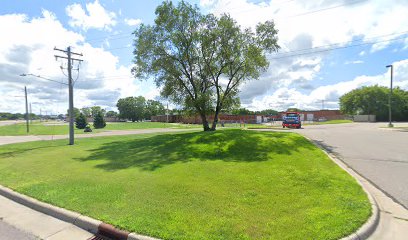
(70,60)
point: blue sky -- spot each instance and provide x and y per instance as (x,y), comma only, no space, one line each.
(101,30)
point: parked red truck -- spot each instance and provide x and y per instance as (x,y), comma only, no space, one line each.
(291,120)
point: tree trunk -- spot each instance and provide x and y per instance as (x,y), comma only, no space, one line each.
(214,124)
(205,122)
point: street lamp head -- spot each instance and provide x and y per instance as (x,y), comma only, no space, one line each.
(388,66)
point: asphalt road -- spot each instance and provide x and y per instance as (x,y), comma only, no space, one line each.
(8,232)
(378,154)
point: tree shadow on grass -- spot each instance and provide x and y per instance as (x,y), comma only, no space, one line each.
(17,150)
(158,151)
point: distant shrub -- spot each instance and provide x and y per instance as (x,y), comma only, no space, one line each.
(99,121)
(80,121)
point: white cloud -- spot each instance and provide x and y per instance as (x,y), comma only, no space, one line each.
(285,97)
(95,16)
(318,27)
(101,78)
(206,3)
(354,62)
(132,21)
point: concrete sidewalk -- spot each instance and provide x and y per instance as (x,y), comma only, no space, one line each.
(30,224)
(393,217)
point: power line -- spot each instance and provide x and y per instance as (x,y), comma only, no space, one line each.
(341,47)
(38,76)
(308,12)
(329,47)
(130,34)
(257,3)
(328,8)
(344,43)
(108,37)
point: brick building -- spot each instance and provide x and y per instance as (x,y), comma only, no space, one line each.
(229,118)
(319,114)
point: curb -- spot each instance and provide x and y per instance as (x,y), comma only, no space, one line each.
(89,224)
(370,226)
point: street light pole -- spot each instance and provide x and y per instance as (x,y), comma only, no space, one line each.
(389,98)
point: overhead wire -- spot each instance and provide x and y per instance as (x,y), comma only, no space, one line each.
(347,42)
(341,47)
(129,34)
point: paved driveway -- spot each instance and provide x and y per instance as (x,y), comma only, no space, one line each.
(379,154)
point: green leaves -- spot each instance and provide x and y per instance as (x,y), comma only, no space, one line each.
(137,108)
(80,121)
(198,60)
(266,36)
(131,108)
(374,100)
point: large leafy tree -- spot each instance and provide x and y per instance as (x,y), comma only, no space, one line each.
(76,112)
(198,60)
(111,114)
(154,108)
(374,100)
(86,111)
(96,109)
(131,108)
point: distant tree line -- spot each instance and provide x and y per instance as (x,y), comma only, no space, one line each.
(17,116)
(96,112)
(374,101)
(89,112)
(244,111)
(11,116)
(139,109)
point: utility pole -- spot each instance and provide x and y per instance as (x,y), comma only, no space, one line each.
(40,116)
(389,99)
(26,105)
(70,88)
(322,101)
(31,120)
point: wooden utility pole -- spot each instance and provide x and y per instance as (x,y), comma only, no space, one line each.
(70,89)
(26,105)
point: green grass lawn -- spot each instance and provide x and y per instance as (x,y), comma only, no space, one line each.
(231,184)
(49,128)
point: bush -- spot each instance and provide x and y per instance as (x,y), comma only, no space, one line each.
(80,121)
(99,122)
(88,128)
